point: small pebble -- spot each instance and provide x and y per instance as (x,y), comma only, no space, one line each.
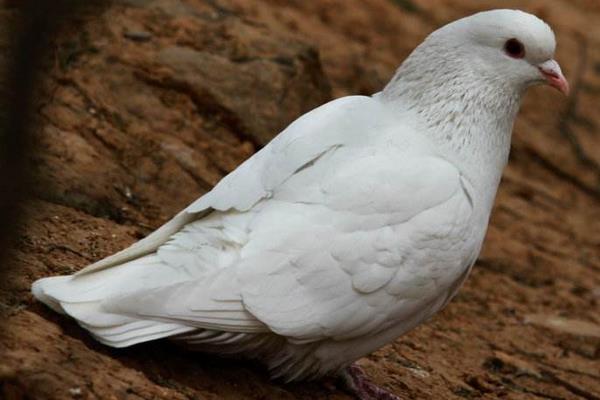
(138,36)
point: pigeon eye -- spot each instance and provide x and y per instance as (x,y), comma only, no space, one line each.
(514,48)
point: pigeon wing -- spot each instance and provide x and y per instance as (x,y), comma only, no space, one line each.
(337,279)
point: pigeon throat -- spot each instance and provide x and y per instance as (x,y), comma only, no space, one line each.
(468,115)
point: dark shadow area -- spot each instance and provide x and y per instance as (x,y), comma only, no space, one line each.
(26,44)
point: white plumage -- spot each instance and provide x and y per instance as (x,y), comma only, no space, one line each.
(355,224)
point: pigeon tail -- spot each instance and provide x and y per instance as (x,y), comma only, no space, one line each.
(82,297)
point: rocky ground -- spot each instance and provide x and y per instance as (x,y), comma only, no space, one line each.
(148,104)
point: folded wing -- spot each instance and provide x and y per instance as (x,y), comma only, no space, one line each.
(331,272)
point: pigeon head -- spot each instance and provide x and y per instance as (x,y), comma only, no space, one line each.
(497,51)
(507,45)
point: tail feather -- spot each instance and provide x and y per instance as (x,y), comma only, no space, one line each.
(82,297)
(37,289)
(158,330)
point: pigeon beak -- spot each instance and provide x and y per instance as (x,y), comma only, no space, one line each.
(554,76)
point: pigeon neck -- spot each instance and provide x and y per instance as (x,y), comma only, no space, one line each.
(469,117)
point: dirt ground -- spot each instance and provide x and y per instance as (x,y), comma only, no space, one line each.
(151,102)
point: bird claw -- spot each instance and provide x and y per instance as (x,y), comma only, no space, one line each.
(361,386)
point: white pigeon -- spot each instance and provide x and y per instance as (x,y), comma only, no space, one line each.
(354,225)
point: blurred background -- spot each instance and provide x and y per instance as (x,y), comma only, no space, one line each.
(141,106)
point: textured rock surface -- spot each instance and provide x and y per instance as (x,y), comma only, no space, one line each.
(147,105)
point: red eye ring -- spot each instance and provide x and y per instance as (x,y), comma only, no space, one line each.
(514,48)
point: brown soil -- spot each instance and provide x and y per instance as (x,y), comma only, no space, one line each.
(151,103)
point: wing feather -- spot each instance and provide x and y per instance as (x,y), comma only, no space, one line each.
(355,280)
(197,303)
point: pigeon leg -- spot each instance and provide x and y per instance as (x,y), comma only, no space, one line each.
(359,384)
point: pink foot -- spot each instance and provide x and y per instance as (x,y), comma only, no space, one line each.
(359,384)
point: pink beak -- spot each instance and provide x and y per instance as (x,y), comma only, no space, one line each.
(554,76)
